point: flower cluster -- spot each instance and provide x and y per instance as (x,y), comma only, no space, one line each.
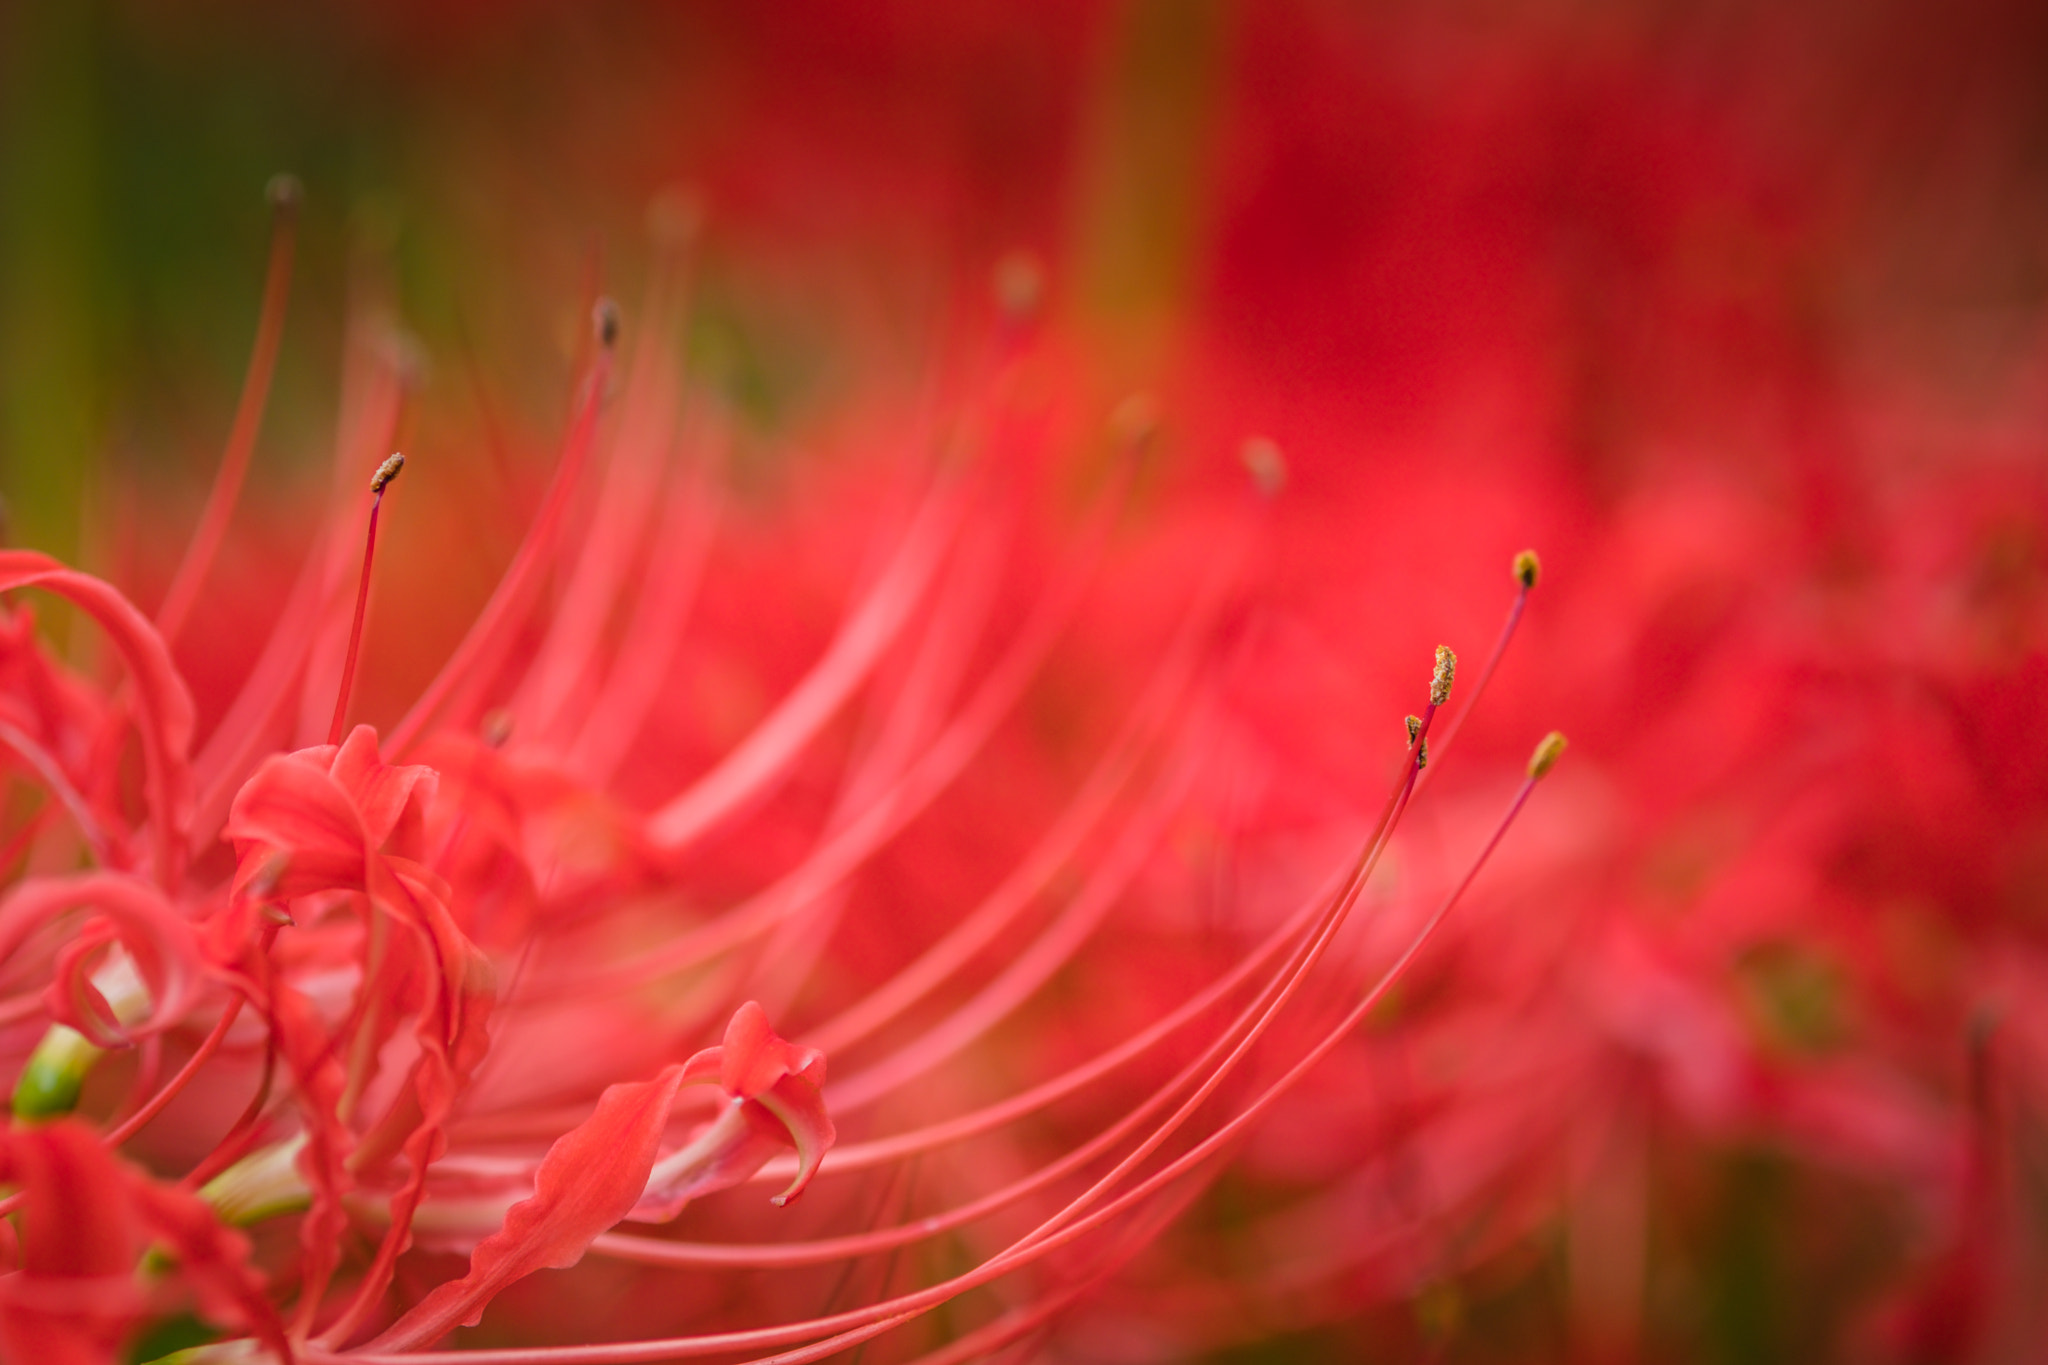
(322,1018)
(1036,752)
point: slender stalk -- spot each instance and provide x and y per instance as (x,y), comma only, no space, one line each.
(284,194)
(386,472)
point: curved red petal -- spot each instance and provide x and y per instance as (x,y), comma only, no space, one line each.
(162,942)
(755,1057)
(293,805)
(590,1179)
(387,796)
(799,1107)
(163,712)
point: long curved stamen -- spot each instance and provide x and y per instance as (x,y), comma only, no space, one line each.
(284,193)
(374,381)
(45,766)
(380,481)
(886,749)
(171,1088)
(1061,1229)
(626,1246)
(1261,1010)
(1033,967)
(744,775)
(491,633)
(625,514)
(1540,764)
(655,627)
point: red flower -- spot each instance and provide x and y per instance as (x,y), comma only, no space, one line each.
(1054,782)
(445,962)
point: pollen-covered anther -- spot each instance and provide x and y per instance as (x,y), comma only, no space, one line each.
(386,472)
(604,322)
(1548,750)
(1440,680)
(1421,752)
(1527,568)
(1267,466)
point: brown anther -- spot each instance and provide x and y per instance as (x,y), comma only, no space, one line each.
(1440,680)
(386,472)
(1268,467)
(1422,751)
(284,192)
(604,319)
(1548,750)
(496,727)
(278,915)
(1528,568)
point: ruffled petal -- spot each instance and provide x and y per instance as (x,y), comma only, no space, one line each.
(773,1101)
(590,1179)
(293,806)
(391,799)
(755,1057)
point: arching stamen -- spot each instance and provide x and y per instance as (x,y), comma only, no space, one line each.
(379,481)
(284,193)
(760,760)
(848,1093)
(156,1103)
(1063,1227)
(672,1253)
(1526,569)
(483,648)
(625,513)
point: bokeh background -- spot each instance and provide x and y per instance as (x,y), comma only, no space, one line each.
(1390,211)
(1736,309)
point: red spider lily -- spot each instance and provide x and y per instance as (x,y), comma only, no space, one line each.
(441,998)
(1036,780)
